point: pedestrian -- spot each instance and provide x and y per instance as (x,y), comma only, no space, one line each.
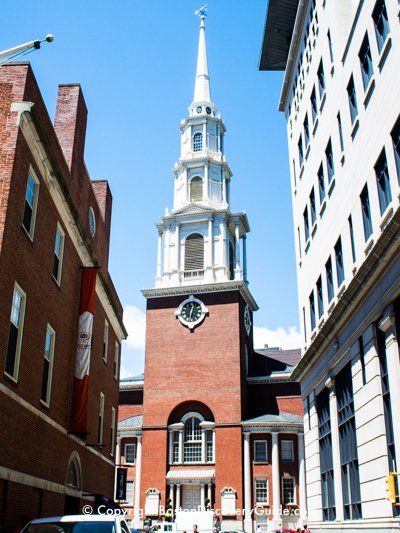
(195,530)
(298,530)
(305,529)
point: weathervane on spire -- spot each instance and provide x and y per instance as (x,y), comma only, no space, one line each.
(202,11)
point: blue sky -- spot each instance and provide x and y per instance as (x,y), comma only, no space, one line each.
(136,61)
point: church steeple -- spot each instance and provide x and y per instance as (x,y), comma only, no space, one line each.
(202,93)
(201,243)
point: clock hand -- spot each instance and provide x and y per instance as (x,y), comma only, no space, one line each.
(191,310)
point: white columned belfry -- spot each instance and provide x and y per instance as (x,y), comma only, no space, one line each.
(276,478)
(138,473)
(247,482)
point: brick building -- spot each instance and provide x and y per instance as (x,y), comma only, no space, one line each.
(54,222)
(220,425)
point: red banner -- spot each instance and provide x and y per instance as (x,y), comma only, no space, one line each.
(83,350)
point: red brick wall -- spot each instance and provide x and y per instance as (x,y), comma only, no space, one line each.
(28,443)
(205,366)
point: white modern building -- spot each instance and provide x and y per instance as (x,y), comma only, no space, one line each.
(341,99)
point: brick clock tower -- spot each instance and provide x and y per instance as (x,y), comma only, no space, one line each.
(198,329)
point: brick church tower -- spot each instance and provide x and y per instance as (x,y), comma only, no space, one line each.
(220,426)
(199,324)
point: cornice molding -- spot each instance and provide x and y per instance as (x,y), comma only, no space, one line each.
(226,286)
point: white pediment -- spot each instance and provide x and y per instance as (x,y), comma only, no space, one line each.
(193,209)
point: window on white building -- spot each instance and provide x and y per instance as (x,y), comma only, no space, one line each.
(366,212)
(381,23)
(351,93)
(197,142)
(365,56)
(194,252)
(383,182)
(260,451)
(396,146)
(196,189)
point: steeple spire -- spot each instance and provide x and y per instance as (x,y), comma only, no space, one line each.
(202,84)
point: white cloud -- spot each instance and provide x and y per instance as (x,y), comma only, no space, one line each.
(285,338)
(135,323)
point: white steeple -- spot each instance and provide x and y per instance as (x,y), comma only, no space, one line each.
(202,84)
(201,243)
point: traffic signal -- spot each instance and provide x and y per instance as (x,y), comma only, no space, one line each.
(390,488)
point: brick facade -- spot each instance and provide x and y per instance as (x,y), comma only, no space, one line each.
(33,471)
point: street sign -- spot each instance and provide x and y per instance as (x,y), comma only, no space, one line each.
(120,488)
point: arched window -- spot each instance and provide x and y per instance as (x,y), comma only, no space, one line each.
(192,441)
(197,142)
(196,189)
(73,476)
(194,252)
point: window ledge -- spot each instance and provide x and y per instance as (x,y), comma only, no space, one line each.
(387,217)
(313,334)
(44,404)
(331,186)
(321,323)
(314,229)
(315,126)
(322,208)
(369,244)
(323,98)
(341,289)
(10,378)
(384,53)
(356,125)
(331,306)
(368,91)
(354,270)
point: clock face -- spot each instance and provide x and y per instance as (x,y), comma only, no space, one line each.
(191,312)
(199,108)
(208,110)
(247,319)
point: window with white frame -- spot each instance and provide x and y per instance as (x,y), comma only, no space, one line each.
(261,491)
(48,365)
(105,341)
(197,142)
(196,189)
(112,432)
(287,452)
(58,254)
(101,420)
(116,360)
(288,491)
(130,452)
(15,332)
(260,451)
(129,492)
(30,205)
(191,440)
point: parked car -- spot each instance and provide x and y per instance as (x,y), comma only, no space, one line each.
(78,524)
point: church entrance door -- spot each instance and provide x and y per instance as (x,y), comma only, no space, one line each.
(191,497)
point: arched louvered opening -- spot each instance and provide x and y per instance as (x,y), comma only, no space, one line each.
(196,189)
(231,261)
(194,255)
(197,142)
